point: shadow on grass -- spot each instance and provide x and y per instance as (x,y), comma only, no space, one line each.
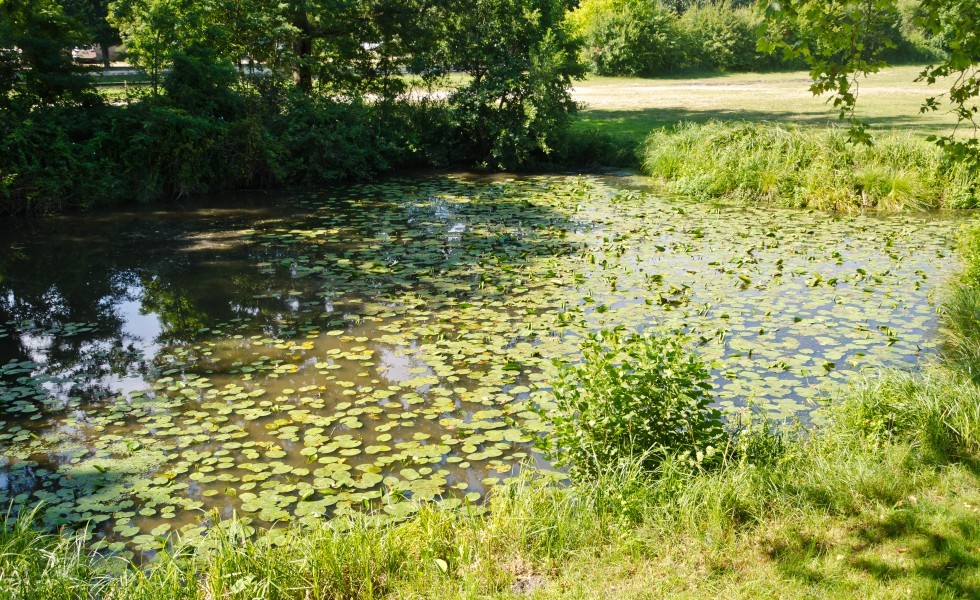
(633,126)
(944,549)
(931,550)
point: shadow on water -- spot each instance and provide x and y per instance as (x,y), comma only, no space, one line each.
(99,294)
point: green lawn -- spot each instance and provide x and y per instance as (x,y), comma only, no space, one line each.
(628,109)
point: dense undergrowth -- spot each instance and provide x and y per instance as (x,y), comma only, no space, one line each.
(69,158)
(807,168)
(320,108)
(881,498)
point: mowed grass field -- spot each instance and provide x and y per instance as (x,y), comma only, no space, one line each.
(628,109)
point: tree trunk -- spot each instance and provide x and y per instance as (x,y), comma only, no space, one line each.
(303,75)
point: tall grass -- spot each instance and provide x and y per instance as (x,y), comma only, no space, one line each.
(961,311)
(801,167)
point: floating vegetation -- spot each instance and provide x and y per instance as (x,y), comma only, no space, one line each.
(386,344)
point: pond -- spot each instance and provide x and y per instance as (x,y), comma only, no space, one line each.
(298,356)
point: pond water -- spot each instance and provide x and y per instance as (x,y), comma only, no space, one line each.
(291,357)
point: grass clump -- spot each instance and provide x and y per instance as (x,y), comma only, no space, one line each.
(799,167)
(961,310)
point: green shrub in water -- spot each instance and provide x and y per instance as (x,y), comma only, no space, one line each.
(633,398)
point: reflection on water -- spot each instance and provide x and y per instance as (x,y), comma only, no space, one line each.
(299,356)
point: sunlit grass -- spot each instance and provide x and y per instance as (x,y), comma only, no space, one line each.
(628,109)
(768,163)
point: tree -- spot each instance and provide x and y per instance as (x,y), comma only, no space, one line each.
(93,15)
(36,39)
(841,41)
(627,37)
(154,30)
(522,60)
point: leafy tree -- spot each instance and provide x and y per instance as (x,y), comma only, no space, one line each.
(36,39)
(93,15)
(721,36)
(842,40)
(522,60)
(153,30)
(627,37)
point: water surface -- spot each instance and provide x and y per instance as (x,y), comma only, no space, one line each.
(296,356)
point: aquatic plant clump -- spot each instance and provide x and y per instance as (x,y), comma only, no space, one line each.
(382,345)
(635,399)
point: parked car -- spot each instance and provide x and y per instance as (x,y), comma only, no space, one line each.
(91,54)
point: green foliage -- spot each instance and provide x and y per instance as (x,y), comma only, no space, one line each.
(201,84)
(843,40)
(320,140)
(517,106)
(647,37)
(961,310)
(718,37)
(939,414)
(68,158)
(792,166)
(36,39)
(628,37)
(92,17)
(637,398)
(153,30)
(54,160)
(170,152)
(335,46)
(284,94)
(41,565)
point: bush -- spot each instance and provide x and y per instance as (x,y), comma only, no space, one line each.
(201,84)
(637,398)
(54,159)
(720,37)
(651,37)
(628,37)
(517,106)
(320,140)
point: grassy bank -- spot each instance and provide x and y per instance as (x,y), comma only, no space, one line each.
(803,167)
(880,500)
(618,113)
